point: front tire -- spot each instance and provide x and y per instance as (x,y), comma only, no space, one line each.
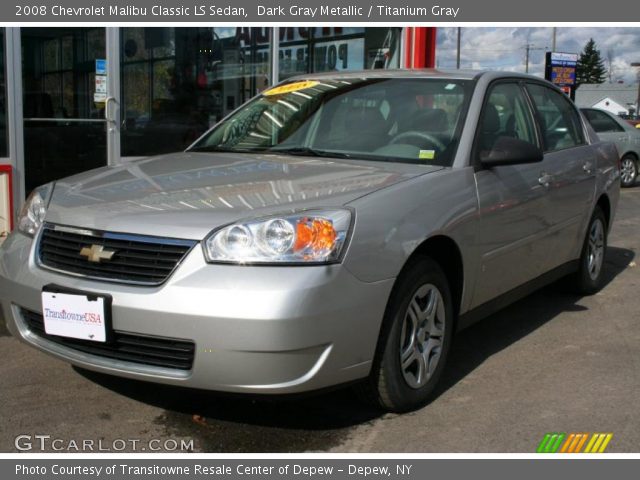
(628,171)
(415,340)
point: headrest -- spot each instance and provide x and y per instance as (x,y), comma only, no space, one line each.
(490,119)
(432,120)
(363,119)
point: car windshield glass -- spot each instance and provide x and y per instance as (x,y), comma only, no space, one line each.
(401,120)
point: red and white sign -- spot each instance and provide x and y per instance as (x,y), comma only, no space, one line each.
(6,201)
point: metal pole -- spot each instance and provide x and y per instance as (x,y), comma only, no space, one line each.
(112,114)
(274,56)
(15,114)
(637,64)
(526,58)
(553,41)
(403,48)
(458,52)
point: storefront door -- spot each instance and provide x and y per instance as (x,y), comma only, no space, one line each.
(64,91)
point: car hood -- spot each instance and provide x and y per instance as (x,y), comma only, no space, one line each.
(186,195)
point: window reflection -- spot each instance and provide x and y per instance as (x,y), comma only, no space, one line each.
(64,130)
(178,82)
(332,49)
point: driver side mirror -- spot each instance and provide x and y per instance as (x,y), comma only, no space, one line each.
(510,151)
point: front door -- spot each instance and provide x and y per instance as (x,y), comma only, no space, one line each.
(64,99)
(514,205)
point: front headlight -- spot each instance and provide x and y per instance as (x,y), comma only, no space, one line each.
(313,236)
(34,209)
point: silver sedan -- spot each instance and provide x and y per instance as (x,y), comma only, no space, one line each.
(337,228)
(612,128)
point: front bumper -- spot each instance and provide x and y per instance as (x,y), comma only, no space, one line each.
(255,329)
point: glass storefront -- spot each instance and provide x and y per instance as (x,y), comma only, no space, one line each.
(326,49)
(178,82)
(167,86)
(64,128)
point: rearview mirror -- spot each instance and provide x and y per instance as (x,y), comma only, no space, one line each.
(510,151)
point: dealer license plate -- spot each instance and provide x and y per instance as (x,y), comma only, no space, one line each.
(75,316)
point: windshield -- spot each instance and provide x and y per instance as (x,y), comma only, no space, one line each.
(402,120)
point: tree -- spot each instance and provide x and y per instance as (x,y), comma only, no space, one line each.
(590,68)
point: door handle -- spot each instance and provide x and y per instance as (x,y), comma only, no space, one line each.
(107,117)
(587,167)
(544,179)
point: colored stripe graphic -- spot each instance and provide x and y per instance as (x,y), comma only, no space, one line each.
(555,442)
(551,442)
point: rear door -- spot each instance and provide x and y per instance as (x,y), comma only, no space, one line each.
(569,167)
(514,209)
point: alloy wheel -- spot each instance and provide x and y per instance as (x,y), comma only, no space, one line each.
(596,248)
(422,336)
(628,171)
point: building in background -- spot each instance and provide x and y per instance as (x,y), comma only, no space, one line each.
(617,98)
(72,99)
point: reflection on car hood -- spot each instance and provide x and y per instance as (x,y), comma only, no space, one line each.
(187,194)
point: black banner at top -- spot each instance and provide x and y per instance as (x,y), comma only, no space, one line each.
(306,11)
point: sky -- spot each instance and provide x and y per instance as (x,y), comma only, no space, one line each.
(503,48)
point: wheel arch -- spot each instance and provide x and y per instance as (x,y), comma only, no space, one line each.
(605,204)
(445,252)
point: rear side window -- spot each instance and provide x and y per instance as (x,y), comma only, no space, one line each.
(601,122)
(559,121)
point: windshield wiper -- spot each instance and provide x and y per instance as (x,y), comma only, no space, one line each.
(310,152)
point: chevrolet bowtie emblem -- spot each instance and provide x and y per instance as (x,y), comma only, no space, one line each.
(96,253)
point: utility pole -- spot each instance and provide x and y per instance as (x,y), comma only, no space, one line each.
(637,64)
(528,47)
(458,52)
(553,41)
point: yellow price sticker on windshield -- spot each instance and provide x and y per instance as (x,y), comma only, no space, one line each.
(427,154)
(290,87)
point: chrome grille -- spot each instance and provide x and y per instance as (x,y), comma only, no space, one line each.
(138,259)
(128,347)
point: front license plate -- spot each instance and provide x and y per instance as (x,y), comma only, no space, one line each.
(75,316)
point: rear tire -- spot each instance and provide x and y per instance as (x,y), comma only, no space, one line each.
(590,276)
(628,171)
(415,340)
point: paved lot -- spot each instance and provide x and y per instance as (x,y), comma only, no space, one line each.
(551,362)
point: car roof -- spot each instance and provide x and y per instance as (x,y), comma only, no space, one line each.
(411,73)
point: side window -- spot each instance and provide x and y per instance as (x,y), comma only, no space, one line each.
(601,122)
(559,121)
(505,114)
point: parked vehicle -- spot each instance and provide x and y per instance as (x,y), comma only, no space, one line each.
(337,228)
(612,128)
(632,120)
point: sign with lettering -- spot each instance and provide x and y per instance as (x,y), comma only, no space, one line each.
(560,68)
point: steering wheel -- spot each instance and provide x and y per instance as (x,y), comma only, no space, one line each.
(420,135)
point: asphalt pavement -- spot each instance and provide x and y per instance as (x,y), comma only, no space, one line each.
(552,362)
